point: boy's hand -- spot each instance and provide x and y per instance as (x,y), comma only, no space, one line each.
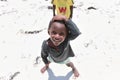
(59,17)
(47,65)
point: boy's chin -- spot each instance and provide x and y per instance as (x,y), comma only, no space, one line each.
(56,44)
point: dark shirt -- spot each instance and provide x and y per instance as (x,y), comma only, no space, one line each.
(64,50)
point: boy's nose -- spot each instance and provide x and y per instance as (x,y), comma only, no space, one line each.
(57,36)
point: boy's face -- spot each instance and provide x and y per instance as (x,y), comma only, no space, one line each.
(57,33)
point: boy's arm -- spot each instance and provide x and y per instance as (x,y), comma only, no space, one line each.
(73,29)
(45,60)
(44,57)
(44,53)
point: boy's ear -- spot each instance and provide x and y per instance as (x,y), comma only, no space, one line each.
(48,32)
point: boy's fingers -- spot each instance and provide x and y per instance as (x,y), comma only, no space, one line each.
(59,17)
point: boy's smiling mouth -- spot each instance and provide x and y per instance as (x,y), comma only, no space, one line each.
(56,42)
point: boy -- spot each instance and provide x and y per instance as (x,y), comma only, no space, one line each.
(57,48)
(64,7)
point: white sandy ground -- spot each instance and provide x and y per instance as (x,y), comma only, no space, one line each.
(97,50)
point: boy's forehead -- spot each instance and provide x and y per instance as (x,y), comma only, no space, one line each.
(58,25)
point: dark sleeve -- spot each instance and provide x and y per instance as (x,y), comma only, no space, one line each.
(73,30)
(44,53)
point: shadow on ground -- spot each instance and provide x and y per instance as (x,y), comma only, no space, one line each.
(53,77)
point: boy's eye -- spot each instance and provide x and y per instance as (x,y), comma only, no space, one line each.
(53,32)
(61,34)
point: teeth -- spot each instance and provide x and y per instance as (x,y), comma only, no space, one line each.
(56,40)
